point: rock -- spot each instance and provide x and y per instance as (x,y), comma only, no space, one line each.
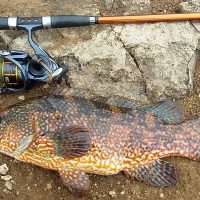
(122,192)
(8,185)
(6,178)
(46,86)
(125,7)
(22,97)
(113,194)
(6,191)
(49,186)
(165,55)
(3,169)
(107,68)
(146,62)
(191,6)
(136,6)
(161,195)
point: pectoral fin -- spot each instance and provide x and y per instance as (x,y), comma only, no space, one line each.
(77,182)
(158,173)
(72,142)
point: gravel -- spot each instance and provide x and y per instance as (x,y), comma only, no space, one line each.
(6,177)
(3,169)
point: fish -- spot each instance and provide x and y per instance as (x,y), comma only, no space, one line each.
(77,137)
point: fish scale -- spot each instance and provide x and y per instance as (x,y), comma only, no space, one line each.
(73,136)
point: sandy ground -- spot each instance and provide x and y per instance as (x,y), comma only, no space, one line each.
(35,183)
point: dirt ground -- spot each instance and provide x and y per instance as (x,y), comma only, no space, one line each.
(35,183)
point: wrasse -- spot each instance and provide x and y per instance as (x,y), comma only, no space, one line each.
(76,137)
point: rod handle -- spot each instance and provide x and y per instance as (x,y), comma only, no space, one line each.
(4,23)
(63,21)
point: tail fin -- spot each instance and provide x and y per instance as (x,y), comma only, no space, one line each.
(192,136)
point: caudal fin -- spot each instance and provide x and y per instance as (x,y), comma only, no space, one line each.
(191,131)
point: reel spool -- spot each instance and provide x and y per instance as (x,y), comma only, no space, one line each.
(18,70)
(13,76)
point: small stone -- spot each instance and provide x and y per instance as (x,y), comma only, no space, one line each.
(113,194)
(17,193)
(6,191)
(6,177)
(96,185)
(49,186)
(22,97)
(46,86)
(122,192)
(8,185)
(3,169)
(161,195)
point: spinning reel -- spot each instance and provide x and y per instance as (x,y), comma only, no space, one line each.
(18,70)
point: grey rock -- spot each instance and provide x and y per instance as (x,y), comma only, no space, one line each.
(3,169)
(6,177)
(161,195)
(49,186)
(137,6)
(125,7)
(21,97)
(145,62)
(6,191)
(191,6)
(113,194)
(165,54)
(8,185)
(106,68)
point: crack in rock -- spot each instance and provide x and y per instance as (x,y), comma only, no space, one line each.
(194,26)
(135,61)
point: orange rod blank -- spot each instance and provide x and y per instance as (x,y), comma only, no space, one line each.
(148,18)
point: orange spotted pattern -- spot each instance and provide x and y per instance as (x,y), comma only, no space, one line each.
(119,141)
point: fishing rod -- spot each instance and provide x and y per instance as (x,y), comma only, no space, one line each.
(18,70)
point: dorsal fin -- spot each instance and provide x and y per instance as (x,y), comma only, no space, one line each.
(68,92)
(114,104)
(168,111)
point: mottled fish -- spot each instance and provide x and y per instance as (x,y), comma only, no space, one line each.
(76,137)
